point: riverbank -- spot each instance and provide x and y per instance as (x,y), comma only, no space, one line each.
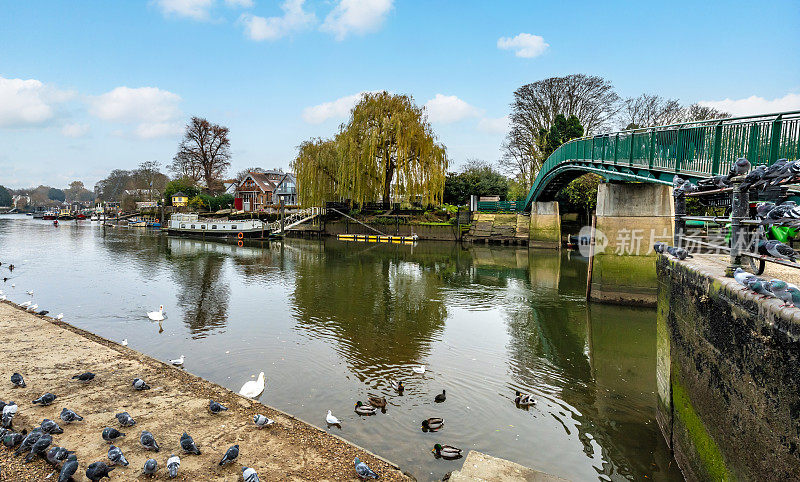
(48,353)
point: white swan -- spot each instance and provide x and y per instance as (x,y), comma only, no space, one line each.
(178,361)
(157,315)
(420,369)
(331,419)
(253,388)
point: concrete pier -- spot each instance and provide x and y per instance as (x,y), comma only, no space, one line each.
(479,467)
(728,374)
(545,226)
(630,218)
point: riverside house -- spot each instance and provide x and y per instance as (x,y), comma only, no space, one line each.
(258,190)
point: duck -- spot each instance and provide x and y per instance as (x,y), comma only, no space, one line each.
(157,315)
(440,397)
(379,402)
(524,400)
(420,369)
(446,451)
(398,387)
(177,362)
(434,423)
(253,388)
(362,409)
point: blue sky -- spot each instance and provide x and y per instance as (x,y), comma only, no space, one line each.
(89,86)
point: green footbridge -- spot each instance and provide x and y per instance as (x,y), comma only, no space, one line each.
(695,150)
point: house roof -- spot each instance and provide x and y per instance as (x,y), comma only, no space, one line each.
(179,194)
(261,180)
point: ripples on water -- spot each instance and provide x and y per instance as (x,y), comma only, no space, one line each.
(332,322)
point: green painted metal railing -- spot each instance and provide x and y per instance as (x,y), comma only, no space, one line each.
(500,206)
(696,149)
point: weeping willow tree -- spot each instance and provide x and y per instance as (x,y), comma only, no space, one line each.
(387,149)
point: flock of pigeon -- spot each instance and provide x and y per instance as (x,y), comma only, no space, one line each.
(40,442)
(760,178)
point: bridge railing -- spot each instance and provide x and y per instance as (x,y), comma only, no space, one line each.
(702,148)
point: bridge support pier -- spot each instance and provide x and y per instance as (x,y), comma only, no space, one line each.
(545,226)
(630,218)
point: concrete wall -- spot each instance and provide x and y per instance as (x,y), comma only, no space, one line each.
(545,226)
(728,377)
(630,218)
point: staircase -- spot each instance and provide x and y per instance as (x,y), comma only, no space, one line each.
(294,219)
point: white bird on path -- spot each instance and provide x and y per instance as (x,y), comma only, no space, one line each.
(178,361)
(60,316)
(157,315)
(420,369)
(33,307)
(125,342)
(25,304)
(253,388)
(331,419)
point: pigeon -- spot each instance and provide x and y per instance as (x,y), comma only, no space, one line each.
(69,416)
(331,419)
(116,456)
(147,441)
(178,361)
(110,434)
(12,439)
(772,173)
(739,168)
(125,419)
(39,447)
(51,427)
(139,384)
(151,466)
(172,465)
(363,471)
(45,399)
(188,445)
(763,209)
(679,253)
(98,470)
(56,455)
(757,285)
(262,421)
(741,276)
(8,413)
(249,475)
(677,182)
(17,380)
(230,455)
(779,250)
(795,293)
(440,397)
(28,441)
(68,469)
(688,187)
(215,407)
(779,290)
(84,377)
(718,182)
(659,247)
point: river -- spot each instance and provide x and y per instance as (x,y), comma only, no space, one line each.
(331,322)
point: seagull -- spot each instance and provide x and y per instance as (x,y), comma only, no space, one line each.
(253,388)
(33,307)
(172,465)
(420,369)
(331,419)
(157,315)
(124,342)
(178,361)
(363,471)
(249,475)
(25,304)
(262,421)
(60,316)
(230,455)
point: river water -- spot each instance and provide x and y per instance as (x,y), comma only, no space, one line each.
(331,322)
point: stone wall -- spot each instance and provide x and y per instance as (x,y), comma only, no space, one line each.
(728,376)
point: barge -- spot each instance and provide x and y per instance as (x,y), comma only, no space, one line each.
(193,225)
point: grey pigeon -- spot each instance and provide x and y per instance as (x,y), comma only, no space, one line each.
(98,470)
(779,289)
(49,426)
(45,399)
(139,384)
(13,439)
(56,455)
(116,456)
(249,475)
(188,445)
(150,467)
(719,182)
(763,209)
(779,250)
(215,407)
(757,285)
(795,295)
(69,416)
(39,447)
(230,455)
(753,177)
(125,419)
(739,168)
(173,463)
(659,247)
(17,380)
(84,377)
(742,277)
(148,441)
(772,173)
(68,469)
(110,434)
(28,441)
(363,471)
(8,413)
(262,421)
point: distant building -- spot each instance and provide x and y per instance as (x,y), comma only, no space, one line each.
(260,190)
(286,190)
(180,199)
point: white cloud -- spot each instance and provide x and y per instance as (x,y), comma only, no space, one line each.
(755,105)
(239,3)
(26,102)
(339,108)
(155,111)
(449,108)
(525,45)
(356,16)
(491,125)
(196,9)
(75,130)
(272,28)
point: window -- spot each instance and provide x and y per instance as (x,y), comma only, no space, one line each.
(192,226)
(183,226)
(213,226)
(233,226)
(202,226)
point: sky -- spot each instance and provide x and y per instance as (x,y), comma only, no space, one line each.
(91,86)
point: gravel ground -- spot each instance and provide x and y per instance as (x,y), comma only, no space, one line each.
(289,450)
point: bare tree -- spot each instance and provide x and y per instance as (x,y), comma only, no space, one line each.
(244,172)
(697,112)
(148,177)
(650,110)
(204,153)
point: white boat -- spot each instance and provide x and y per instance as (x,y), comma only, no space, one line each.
(192,224)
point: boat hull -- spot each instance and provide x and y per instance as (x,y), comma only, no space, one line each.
(203,233)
